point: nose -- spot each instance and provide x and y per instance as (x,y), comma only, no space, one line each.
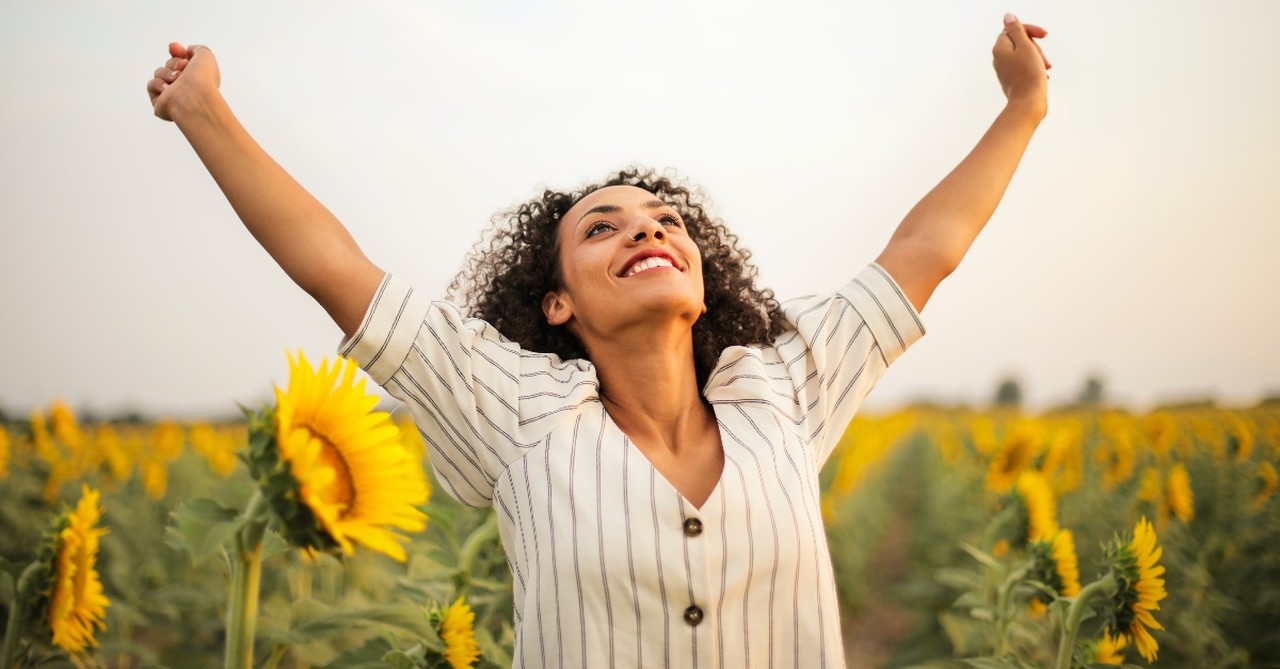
(645,226)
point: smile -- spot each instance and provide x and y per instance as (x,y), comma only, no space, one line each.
(647,260)
(648,264)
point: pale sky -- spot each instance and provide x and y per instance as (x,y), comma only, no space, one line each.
(1138,241)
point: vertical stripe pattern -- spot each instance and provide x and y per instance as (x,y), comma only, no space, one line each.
(607,570)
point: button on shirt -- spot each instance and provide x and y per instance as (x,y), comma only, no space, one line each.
(611,566)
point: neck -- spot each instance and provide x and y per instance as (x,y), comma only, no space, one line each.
(649,384)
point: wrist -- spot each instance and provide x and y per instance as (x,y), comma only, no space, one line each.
(1030,108)
(196,106)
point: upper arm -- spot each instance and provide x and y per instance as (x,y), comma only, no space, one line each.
(346,289)
(916,268)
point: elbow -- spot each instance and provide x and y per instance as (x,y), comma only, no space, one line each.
(930,262)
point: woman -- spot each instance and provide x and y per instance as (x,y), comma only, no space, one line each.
(648,424)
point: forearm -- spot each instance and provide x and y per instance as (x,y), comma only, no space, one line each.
(944,224)
(303,237)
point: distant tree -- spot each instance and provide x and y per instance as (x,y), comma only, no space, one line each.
(1093,393)
(1009,394)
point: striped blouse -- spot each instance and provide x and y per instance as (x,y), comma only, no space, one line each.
(611,566)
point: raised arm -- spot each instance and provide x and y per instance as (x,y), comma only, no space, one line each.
(307,241)
(930,242)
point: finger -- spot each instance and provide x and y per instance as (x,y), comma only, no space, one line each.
(166,75)
(1017,34)
(176,63)
(177,50)
(1020,39)
(1004,42)
(1035,31)
(1047,64)
(155,87)
(195,48)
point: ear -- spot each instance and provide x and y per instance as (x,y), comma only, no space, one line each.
(557,307)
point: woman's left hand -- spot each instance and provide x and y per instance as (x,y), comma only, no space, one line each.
(1020,64)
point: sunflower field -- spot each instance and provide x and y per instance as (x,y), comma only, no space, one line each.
(1078,538)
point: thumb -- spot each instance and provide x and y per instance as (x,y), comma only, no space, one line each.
(1017,33)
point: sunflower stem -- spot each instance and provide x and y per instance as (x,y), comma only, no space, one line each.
(276,654)
(1104,585)
(246,575)
(1002,607)
(14,627)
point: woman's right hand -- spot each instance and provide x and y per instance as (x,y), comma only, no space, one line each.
(189,73)
(1021,65)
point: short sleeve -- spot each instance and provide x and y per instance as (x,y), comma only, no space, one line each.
(840,347)
(478,399)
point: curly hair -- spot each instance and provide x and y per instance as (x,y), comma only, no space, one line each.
(506,275)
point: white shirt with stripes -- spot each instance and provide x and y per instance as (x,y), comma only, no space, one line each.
(610,565)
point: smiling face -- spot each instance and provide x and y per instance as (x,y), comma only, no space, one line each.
(626,259)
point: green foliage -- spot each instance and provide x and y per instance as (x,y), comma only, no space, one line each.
(918,533)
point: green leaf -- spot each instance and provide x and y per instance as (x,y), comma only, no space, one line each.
(480,537)
(492,651)
(425,568)
(200,526)
(13,569)
(7,587)
(989,663)
(961,579)
(971,600)
(273,544)
(314,621)
(369,656)
(399,659)
(980,555)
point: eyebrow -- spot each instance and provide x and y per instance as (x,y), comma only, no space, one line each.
(613,208)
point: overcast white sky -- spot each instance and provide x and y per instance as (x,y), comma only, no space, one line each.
(1138,241)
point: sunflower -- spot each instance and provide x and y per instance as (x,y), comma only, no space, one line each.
(162,447)
(334,470)
(1041,509)
(65,427)
(217,445)
(1066,566)
(107,442)
(1109,650)
(1238,441)
(1267,482)
(1161,431)
(1116,458)
(60,467)
(1015,454)
(76,605)
(1150,488)
(1062,463)
(1178,494)
(1139,589)
(155,477)
(457,633)
(1055,565)
(5,450)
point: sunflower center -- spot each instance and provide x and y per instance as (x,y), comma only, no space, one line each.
(341,492)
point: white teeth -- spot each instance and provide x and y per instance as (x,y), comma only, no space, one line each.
(649,263)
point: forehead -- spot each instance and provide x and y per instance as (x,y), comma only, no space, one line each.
(620,196)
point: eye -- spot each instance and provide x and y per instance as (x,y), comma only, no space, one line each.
(670,219)
(597,228)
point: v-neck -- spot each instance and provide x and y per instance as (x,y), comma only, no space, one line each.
(630,444)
